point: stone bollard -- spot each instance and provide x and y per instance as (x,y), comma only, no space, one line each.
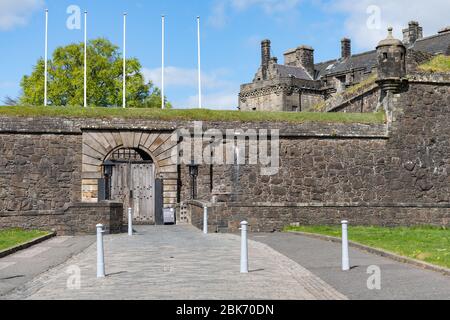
(345,256)
(205,220)
(244,247)
(130,221)
(100,252)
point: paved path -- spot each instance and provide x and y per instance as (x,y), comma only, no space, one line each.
(398,280)
(179,262)
(23,266)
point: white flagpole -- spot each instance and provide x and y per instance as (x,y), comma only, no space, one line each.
(46,58)
(199,66)
(163,101)
(124,101)
(85,59)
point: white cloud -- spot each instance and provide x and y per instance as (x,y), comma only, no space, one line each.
(431,14)
(269,6)
(219,100)
(17,12)
(222,8)
(185,77)
(218,93)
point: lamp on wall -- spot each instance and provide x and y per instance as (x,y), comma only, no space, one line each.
(193,172)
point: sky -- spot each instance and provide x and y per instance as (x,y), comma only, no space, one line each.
(231,32)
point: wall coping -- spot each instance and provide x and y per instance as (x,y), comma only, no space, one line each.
(61,211)
(330,205)
(76,126)
(442,78)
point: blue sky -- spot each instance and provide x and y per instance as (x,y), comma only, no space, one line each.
(231,33)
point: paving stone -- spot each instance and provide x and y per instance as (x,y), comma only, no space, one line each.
(179,262)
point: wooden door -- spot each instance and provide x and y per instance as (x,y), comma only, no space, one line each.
(133,185)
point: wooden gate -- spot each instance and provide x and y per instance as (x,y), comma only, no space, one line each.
(133,184)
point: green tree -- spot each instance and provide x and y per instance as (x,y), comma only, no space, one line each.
(104,79)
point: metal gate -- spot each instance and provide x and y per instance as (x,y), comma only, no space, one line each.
(132,183)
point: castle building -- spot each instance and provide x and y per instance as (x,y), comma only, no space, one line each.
(300,84)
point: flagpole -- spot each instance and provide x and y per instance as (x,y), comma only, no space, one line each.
(163,100)
(46,58)
(85,59)
(199,66)
(124,101)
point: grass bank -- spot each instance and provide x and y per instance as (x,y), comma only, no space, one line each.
(10,238)
(429,244)
(192,114)
(440,63)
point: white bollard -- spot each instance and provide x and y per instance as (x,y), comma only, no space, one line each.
(345,256)
(130,221)
(205,220)
(244,247)
(100,252)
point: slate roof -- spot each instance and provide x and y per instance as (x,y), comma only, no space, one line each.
(288,71)
(436,44)
(366,61)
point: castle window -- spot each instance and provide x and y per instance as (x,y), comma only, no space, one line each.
(385,55)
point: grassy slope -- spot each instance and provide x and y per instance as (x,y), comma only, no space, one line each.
(428,244)
(191,114)
(440,63)
(12,237)
(349,92)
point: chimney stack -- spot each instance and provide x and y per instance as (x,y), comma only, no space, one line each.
(265,56)
(413,33)
(346,48)
(302,56)
(305,56)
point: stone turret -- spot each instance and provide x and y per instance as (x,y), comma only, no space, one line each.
(391,55)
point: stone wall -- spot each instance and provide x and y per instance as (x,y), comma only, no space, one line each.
(271,217)
(284,94)
(400,179)
(388,174)
(39,171)
(72,219)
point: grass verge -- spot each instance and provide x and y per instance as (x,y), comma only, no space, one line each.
(429,244)
(192,114)
(440,63)
(10,238)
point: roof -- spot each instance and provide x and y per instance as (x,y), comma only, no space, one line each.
(436,44)
(290,71)
(366,61)
(390,40)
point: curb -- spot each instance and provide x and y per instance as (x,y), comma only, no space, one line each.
(26,245)
(379,252)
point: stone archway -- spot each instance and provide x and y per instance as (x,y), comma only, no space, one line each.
(97,145)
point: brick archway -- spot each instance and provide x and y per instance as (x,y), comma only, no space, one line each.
(99,144)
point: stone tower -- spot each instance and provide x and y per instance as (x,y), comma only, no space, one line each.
(391,57)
